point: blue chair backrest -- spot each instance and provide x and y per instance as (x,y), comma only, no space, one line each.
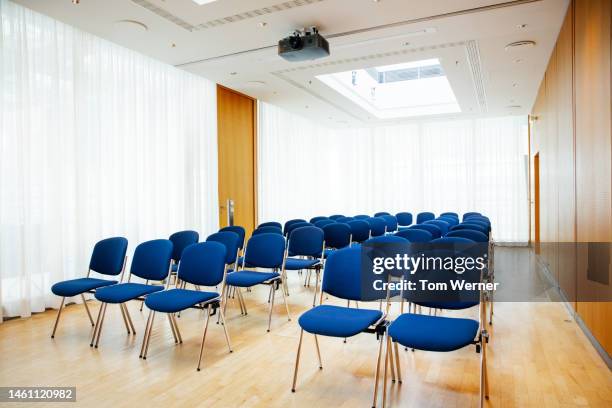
(360,230)
(342,274)
(108,256)
(265,251)
(377,226)
(472,226)
(345,219)
(306,241)
(322,223)
(269,229)
(238,230)
(483,224)
(387,239)
(182,240)
(318,218)
(479,219)
(390,221)
(443,225)
(204,263)
(361,217)
(424,216)
(291,222)
(469,214)
(337,235)
(404,218)
(434,230)
(378,214)
(450,220)
(452,214)
(151,259)
(230,240)
(271,224)
(415,235)
(335,216)
(474,235)
(295,225)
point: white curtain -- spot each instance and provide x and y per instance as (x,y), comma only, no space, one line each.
(460,165)
(95,141)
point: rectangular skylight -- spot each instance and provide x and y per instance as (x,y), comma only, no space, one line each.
(415,88)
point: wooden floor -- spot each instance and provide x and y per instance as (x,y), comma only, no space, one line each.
(538,357)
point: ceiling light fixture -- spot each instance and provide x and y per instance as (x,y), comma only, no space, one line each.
(202,2)
(519,45)
(76,1)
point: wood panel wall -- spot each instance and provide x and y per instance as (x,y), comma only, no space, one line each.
(571,132)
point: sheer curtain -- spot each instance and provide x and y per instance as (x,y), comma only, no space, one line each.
(95,141)
(460,165)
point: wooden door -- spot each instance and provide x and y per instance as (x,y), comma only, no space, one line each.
(237,135)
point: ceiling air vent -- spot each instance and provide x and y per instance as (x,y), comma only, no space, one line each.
(519,45)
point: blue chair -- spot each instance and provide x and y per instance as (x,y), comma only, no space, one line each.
(470,214)
(361,217)
(442,334)
(480,221)
(265,251)
(472,226)
(318,218)
(387,239)
(269,229)
(424,216)
(335,216)
(434,230)
(474,235)
(238,230)
(415,235)
(202,264)
(271,224)
(231,241)
(443,225)
(341,279)
(180,241)
(379,214)
(296,225)
(337,236)
(452,214)
(291,222)
(151,261)
(404,219)
(378,226)
(360,230)
(450,220)
(345,219)
(307,243)
(107,258)
(390,221)
(322,223)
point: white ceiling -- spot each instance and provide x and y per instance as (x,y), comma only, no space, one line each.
(233,42)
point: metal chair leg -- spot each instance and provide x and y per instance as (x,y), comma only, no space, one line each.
(376,377)
(271,306)
(144,337)
(297,360)
(95,331)
(104,305)
(391,362)
(204,336)
(176,328)
(318,352)
(146,350)
(387,360)
(127,326)
(59,312)
(397,364)
(129,318)
(172,328)
(87,309)
(286,304)
(225,331)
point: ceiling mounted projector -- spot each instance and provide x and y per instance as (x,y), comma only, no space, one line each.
(303,46)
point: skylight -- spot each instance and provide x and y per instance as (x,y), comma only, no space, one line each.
(416,88)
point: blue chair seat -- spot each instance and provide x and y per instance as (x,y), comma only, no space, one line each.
(338,321)
(175,300)
(433,333)
(294,264)
(125,291)
(75,287)
(246,279)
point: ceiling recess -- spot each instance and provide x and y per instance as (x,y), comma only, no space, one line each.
(519,45)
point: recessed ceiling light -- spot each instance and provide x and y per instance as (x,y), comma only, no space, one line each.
(263,24)
(518,60)
(254,84)
(521,26)
(132,24)
(513,107)
(519,45)
(202,2)
(233,73)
